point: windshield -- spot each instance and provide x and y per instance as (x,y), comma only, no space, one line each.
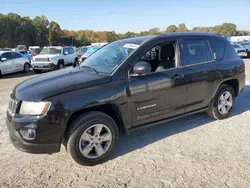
(51,51)
(106,59)
(237,46)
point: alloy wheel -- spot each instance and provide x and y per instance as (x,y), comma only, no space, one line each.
(95,141)
(225,102)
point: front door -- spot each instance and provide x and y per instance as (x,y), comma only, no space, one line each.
(160,94)
(157,96)
(7,65)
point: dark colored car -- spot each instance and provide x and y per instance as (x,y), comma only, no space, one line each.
(35,52)
(125,86)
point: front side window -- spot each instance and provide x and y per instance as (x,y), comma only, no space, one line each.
(65,51)
(108,58)
(51,51)
(194,51)
(161,57)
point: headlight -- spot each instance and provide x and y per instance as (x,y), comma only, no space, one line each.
(51,59)
(34,108)
(32,59)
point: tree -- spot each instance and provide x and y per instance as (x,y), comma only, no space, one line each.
(171,28)
(226,29)
(182,28)
(154,31)
(53,33)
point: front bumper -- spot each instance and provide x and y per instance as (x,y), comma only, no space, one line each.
(243,54)
(42,66)
(35,146)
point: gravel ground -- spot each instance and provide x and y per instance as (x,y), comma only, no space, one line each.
(190,152)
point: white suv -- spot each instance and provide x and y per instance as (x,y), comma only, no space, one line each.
(53,57)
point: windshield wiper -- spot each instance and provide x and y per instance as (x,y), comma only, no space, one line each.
(87,67)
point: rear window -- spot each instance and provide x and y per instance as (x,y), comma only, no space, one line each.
(218,48)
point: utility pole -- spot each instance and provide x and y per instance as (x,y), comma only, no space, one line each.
(72,41)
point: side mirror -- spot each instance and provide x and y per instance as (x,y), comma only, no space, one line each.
(141,68)
(66,53)
(4,59)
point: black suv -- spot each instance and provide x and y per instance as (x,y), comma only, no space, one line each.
(126,85)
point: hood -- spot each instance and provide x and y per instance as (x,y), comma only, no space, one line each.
(46,55)
(57,82)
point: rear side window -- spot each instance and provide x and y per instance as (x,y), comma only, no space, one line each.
(16,55)
(194,51)
(71,50)
(217,48)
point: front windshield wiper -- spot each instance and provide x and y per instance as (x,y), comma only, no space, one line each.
(87,67)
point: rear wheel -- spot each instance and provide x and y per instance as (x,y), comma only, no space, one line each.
(92,138)
(26,67)
(223,102)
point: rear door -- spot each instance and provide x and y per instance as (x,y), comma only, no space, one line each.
(7,65)
(18,61)
(197,58)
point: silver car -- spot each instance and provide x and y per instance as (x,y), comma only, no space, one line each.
(13,62)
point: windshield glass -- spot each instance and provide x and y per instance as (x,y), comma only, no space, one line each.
(51,51)
(106,59)
(237,46)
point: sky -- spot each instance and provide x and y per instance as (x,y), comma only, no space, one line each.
(133,15)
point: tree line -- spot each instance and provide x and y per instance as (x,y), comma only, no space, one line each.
(15,30)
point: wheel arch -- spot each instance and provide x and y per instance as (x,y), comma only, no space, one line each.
(233,82)
(111,110)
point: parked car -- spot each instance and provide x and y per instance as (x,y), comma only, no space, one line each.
(12,62)
(241,50)
(88,52)
(53,57)
(247,46)
(35,52)
(33,47)
(26,55)
(125,86)
(80,51)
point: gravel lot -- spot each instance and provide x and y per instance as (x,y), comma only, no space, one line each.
(191,152)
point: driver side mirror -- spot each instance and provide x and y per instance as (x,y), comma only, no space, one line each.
(4,59)
(141,68)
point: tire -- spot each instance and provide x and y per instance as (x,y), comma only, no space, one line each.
(215,110)
(60,65)
(37,71)
(75,63)
(26,67)
(84,123)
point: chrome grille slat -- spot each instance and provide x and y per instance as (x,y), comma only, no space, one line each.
(41,59)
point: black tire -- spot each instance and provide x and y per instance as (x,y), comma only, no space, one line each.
(25,67)
(37,71)
(213,110)
(82,124)
(60,64)
(75,63)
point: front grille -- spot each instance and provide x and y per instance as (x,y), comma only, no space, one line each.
(41,59)
(13,105)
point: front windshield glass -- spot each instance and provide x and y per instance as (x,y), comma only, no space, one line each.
(51,51)
(237,46)
(106,59)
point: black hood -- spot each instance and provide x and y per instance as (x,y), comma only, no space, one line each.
(57,82)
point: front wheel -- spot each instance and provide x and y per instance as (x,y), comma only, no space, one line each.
(223,102)
(26,67)
(92,138)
